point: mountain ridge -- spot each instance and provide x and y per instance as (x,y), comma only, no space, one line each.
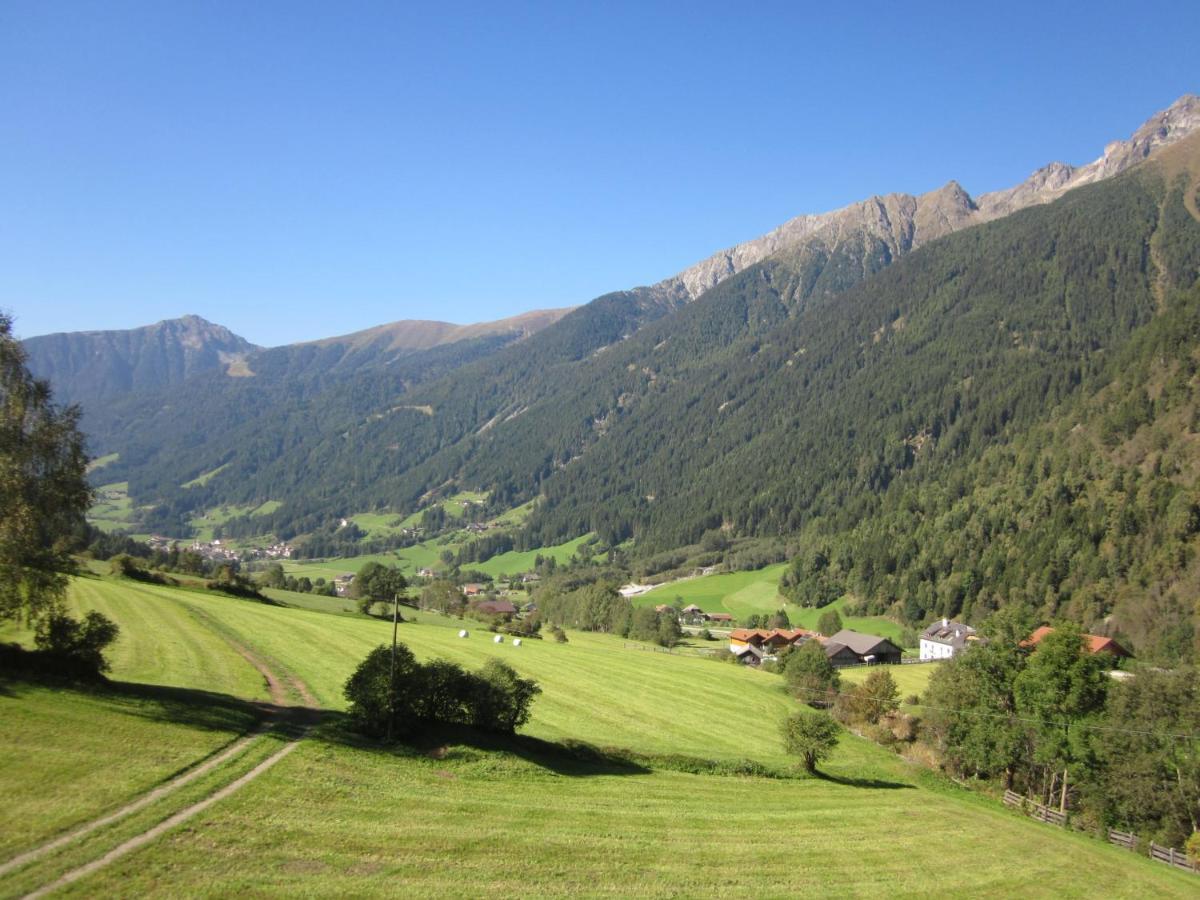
(907,221)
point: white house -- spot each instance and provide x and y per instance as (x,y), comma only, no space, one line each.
(944,639)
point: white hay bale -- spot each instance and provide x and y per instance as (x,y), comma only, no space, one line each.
(464,633)
(498,639)
(516,642)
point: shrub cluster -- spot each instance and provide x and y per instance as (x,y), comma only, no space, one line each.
(419,695)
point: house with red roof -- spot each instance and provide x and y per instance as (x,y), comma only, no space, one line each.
(1095,643)
(752,645)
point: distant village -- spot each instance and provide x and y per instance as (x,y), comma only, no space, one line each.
(223,551)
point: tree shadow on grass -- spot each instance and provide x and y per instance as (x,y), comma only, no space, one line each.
(455,742)
(874,783)
(206,710)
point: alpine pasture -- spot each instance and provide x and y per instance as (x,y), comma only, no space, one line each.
(671,813)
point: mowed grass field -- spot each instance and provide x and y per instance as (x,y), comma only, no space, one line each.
(339,816)
(429,555)
(757,592)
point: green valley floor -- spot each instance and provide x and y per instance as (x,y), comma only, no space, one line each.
(202,707)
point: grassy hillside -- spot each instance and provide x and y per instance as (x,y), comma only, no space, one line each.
(337,817)
(428,554)
(748,593)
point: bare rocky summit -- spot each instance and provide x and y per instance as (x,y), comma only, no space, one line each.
(904,222)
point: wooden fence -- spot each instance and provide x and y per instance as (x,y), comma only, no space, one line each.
(1172,857)
(1168,855)
(1034,809)
(1126,839)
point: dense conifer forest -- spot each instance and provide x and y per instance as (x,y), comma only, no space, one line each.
(1004,415)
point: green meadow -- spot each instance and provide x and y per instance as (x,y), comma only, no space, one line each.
(463,817)
(113,510)
(808,616)
(757,592)
(428,555)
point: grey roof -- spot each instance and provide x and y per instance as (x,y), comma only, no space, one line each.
(862,644)
(955,634)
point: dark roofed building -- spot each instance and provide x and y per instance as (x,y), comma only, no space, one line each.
(496,607)
(866,648)
(944,639)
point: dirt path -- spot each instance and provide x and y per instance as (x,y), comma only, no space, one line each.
(166,825)
(304,715)
(145,800)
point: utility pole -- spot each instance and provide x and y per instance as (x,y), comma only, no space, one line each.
(392,677)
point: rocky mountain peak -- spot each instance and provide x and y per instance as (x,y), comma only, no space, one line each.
(904,222)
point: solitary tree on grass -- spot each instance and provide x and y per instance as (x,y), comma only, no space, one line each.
(811,736)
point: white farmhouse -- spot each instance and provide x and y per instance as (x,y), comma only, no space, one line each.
(944,639)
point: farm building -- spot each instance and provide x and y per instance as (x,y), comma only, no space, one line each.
(764,643)
(848,648)
(944,639)
(473,590)
(748,655)
(1095,643)
(720,618)
(496,608)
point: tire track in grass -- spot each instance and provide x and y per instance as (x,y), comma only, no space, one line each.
(129,809)
(166,825)
(304,716)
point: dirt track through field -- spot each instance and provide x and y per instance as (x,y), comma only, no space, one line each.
(163,827)
(278,690)
(128,809)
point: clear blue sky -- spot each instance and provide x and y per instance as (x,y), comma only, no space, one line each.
(297,170)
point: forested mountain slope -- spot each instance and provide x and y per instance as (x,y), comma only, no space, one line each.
(89,367)
(369,421)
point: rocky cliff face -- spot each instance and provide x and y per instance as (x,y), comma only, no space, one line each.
(903,222)
(86,366)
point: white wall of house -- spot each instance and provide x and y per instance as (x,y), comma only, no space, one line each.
(935,649)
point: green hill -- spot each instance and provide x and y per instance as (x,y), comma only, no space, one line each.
(345,817)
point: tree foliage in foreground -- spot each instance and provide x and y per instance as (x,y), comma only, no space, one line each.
(419,695)
(43,487)
(1050,723)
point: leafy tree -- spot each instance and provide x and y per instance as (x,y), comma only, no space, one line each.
(79,645)
(377,693)
(439,692)
(443,596)
(1061,686)
(378,583)
(43,487)
(780,620)
(811,736)
(502,704)
(273,576)
(972,711)
(669,631)
(829,623)
(1146,778)
(810,675)
(874,698)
